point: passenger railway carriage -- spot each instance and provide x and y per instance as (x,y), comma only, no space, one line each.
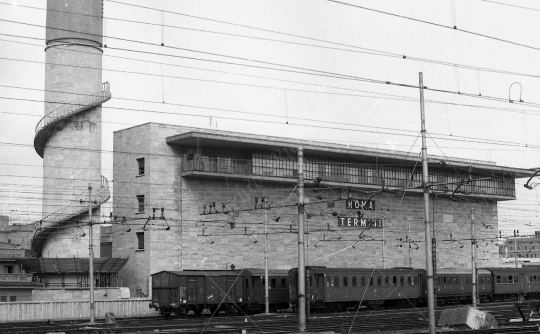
(452,287)
(339,288)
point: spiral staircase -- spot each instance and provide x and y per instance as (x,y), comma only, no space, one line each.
(46,128)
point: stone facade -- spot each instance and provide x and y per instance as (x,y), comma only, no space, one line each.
(197,235)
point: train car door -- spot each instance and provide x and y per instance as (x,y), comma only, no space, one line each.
(231,290)
(192,290)
(200,290)
(256,289)
(318,289)
(521,281)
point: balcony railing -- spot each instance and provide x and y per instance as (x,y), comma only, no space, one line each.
(56,220)
(46,125)
(73,107)
(396,177)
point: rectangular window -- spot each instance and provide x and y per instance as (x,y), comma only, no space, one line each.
(498,279)
(140,200)
(401,280)
(3,299)
(329,281)
(371,281)
(394,280)
(140,240)
(12,298)
(354,281)
(379,280)
(409,280)
(336,281)
(387,281)
(363,280)
(273,283)
(283,283)
(140,163)
(8,269)
(345,280)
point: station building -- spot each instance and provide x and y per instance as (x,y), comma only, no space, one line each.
(190,198)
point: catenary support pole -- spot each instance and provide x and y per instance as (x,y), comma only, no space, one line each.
(473,261)
(425,186)
(91,256)
(266,300)
(301,259)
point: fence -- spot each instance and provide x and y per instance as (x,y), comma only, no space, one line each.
(74,310)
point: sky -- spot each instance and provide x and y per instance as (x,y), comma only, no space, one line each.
(345,72)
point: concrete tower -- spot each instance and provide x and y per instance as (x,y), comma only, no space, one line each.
(68,137)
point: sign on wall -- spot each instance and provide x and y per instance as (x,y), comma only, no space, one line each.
(360,222)
(360,204)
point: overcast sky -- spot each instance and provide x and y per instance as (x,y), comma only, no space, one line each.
(235,65)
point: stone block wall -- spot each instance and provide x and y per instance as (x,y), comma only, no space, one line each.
(214,241)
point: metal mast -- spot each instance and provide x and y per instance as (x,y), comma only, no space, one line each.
(301,259)
(425,186)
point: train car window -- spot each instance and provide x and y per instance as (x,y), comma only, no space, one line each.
(379,280)
(387,280)
(401,280)
(363,280)
(273,283)
(510,279)
(354,281)
(394,280)
(309,281)
(336,281)
(415,280)
(409,280)
(345,280)
(316,282)
(371,281)
(12,298)
(329,281)
(498,279)
(488,279)
(283,283)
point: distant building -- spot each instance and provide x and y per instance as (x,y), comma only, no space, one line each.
(15,235)
(189,198)
(521,249)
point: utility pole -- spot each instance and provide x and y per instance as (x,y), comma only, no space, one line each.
(91,256)
(266,300)
(383,242)
(301,259)
(425,186)
(515,246)
(473,260)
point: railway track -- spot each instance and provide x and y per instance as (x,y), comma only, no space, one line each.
(364,321)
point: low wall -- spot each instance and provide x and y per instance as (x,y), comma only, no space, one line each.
(74,310)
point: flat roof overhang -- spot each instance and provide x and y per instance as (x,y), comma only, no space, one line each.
(232,140)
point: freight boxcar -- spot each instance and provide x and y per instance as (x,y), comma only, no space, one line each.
(179,292)
(339,288)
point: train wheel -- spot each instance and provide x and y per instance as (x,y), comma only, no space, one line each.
(180,313)
(198,310)
(214,311)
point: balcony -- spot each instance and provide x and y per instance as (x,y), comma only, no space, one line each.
(343,173)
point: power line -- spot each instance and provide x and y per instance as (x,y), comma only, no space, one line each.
(315,72)
(379,95)
(437,25)
(369,51)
